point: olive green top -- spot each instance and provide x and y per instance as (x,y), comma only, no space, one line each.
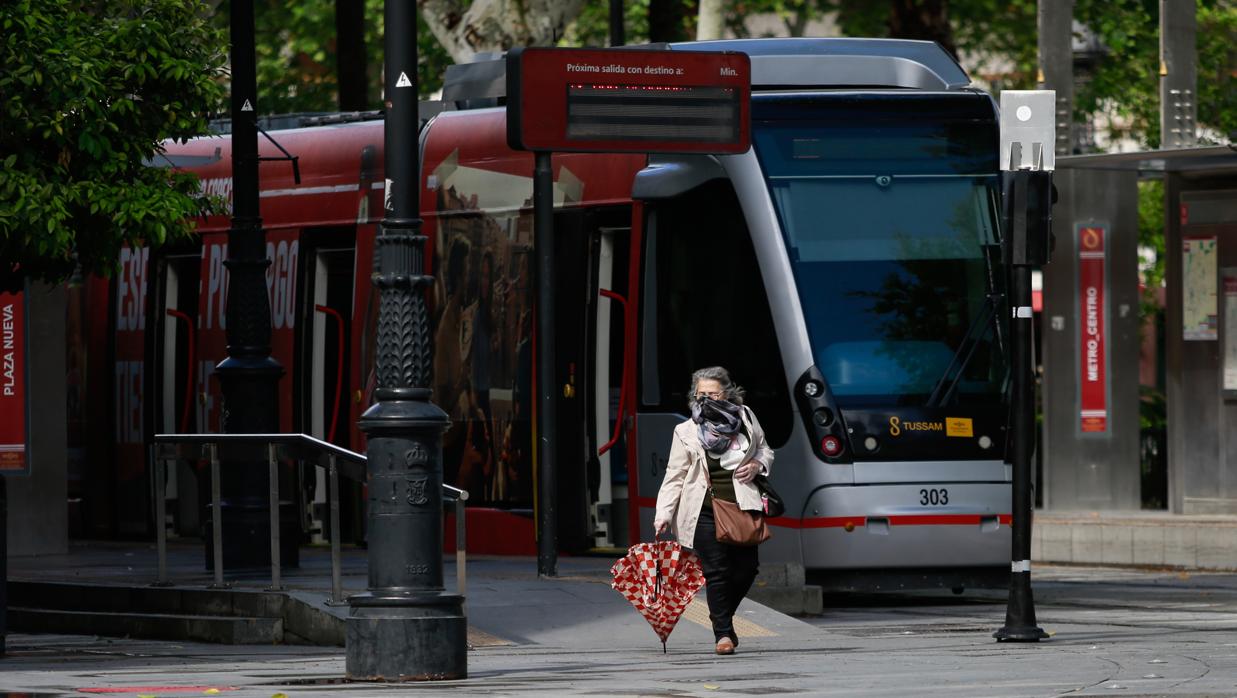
(720,479)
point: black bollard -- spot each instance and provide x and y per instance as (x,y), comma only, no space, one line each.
(405,627)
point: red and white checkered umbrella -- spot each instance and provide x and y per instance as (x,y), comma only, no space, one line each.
(659,579)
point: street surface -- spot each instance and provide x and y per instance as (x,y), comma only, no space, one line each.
(1114,632)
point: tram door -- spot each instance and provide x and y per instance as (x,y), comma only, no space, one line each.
(607,476)
(325,387)
(587,248)
(176,396)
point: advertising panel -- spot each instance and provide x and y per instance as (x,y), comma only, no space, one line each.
(1230,331)
(1092,336)
(1198,288)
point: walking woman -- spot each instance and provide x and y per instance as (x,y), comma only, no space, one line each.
(717,453)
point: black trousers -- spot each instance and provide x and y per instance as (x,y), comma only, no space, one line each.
(729,571)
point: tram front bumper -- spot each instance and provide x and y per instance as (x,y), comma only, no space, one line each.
(907,526)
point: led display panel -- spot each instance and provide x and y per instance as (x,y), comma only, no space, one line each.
(628,100)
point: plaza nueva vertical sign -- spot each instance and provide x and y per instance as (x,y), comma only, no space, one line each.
(1093,381)
(14,444)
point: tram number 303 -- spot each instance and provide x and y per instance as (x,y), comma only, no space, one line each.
(933,497)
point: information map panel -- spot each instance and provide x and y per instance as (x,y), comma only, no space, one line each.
(628,100)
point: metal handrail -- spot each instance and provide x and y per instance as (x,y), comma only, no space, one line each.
(299,447)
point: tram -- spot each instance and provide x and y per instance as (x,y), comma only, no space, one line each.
(846,269)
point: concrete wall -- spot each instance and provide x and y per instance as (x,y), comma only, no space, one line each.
(1092,471)
(1202,416)
(38,509)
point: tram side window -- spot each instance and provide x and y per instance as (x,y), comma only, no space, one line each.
(709,307)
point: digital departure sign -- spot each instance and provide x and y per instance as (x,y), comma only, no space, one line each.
(628,100)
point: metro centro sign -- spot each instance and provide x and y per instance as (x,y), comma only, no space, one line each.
(628,100)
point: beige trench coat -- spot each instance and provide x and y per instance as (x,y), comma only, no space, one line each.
(687,478)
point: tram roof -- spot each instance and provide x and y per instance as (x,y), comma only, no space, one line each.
(776,63)
(830,62)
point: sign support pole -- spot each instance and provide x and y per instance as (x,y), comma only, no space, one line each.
(543,223)
(606,101)
(1027,160)
(1020,625)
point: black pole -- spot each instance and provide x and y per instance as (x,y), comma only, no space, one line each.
(617,33)
(543,221)
(405,627)
(1020,625)
(249,377)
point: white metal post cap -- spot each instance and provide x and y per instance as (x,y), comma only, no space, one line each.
(1028,129)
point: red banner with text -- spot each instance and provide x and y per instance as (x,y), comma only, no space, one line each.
(14,446)
(1093,369)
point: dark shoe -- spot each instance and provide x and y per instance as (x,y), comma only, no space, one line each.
(725,646)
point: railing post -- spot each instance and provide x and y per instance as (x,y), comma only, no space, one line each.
(460,542)
(216,516)
(273,468)
(337,594)
(161,534)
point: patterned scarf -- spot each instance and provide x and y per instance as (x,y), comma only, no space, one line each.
(718,421)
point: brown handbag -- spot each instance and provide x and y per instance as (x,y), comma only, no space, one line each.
(736,526)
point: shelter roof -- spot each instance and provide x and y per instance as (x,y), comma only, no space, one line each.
(1201,161)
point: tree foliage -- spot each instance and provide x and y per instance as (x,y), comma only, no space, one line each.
(996,39)
(88,92)
(298,57)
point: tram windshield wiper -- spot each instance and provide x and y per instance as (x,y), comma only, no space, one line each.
(947,384)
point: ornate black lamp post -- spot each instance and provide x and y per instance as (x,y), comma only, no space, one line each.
(405,627)
(249,377)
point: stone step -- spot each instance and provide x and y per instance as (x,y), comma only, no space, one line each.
(794,601)
(782,586)
(69,596)
(301,617)
(230,630)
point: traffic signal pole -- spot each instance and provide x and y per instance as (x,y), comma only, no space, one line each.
(405,627)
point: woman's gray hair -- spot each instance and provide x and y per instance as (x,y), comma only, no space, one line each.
(730,391)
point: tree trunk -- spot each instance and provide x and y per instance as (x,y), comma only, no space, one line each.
(497,25)
(710,20)
(351,60)
(922,19)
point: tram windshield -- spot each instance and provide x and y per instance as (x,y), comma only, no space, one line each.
(889,211)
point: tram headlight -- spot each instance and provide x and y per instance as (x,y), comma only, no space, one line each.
(985,442)
(812,388)
(823,416)
(871,443)
(831,445)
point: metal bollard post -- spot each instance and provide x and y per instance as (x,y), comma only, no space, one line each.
(337,593)
(273,468)
(161,534)
(216,516)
